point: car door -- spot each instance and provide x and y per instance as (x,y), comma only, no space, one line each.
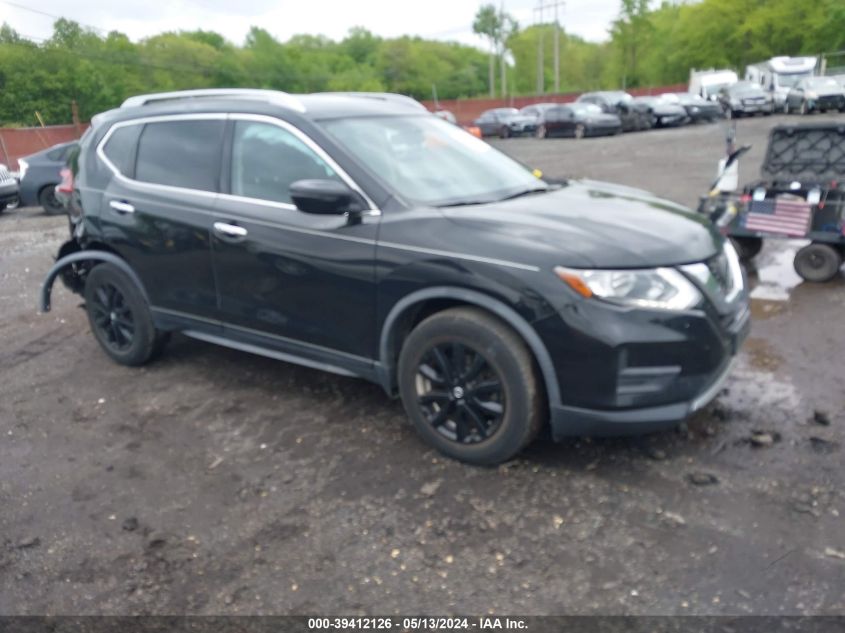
(156,209)
(488,123)
(301,282)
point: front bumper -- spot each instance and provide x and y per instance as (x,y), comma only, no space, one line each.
(644,374)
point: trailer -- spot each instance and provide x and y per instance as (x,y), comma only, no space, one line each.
(800,195)
(778,74)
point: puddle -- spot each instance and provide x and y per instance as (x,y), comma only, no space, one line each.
(761,355)
(775,277)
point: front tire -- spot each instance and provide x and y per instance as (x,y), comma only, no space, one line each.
(120,318)
(505,132)
(580,131)
(817,262)
(469,386)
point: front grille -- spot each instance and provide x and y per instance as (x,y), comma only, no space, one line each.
(5,175)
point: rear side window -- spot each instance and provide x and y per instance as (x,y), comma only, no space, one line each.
(180,154)
(120,148)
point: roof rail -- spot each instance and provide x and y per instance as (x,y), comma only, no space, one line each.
(273,96)
(384,96)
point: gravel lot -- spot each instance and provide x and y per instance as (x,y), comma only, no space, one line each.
(213,481)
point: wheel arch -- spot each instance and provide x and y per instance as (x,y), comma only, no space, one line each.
(443,297)
(90,254)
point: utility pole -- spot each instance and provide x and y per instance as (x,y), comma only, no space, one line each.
(541,79)
(557,51)
(551,4)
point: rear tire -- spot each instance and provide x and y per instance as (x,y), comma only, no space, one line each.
(120,318)
(48,201)
(817,262)
(447,363)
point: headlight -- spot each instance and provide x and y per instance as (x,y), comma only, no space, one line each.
(22,167)
(812,95)
(661,288)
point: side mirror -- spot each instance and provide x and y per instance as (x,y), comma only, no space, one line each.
(328,197)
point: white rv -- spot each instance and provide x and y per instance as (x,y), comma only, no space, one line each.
(708,83)
(778,74)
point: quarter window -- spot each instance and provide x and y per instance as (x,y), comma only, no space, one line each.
(181,154)
(267,159)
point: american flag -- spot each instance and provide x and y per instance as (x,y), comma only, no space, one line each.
(783,216)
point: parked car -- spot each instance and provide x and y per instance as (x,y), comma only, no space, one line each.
(663,112)
(708,83)
(745,97)
(537,110)
(446,115)
(40,173)
(367,238)
(698,109)
(634,117)
(815,94)
(505,122)
(578,120)
(9,192)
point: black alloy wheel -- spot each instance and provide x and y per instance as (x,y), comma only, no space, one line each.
(470,386)
(120,318)
(460,394)
(112,318)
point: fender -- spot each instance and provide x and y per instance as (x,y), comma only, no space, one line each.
(81,256)
(501,310)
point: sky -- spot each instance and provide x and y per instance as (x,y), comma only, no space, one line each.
(435,19)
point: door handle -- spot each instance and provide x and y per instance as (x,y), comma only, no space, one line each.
(121,207)
(230,230)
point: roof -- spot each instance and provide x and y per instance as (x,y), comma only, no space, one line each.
(318,105)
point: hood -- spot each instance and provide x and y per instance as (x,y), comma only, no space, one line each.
(669,109)
(519,118)
(592,224)
(603,119)
(828,91)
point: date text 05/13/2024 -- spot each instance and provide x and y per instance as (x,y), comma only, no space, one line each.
(484,623)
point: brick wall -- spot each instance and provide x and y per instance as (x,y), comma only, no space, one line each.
(16,143)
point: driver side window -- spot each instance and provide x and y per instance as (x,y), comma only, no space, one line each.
(267,159)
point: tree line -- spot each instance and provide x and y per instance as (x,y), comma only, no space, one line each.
(647,44)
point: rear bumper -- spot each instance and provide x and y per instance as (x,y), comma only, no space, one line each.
(9,193)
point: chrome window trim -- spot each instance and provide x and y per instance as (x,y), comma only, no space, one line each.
(372,209)
(313,146)
(375,211)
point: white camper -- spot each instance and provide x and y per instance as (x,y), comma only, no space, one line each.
(778,74)
(708,83)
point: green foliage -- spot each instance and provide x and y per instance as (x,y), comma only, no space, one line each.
(100,71)
(649,44)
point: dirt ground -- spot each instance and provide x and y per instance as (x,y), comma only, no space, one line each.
(214,481)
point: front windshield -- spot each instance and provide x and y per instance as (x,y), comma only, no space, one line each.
(585,109)
(429,162)
(713,89)
(791,80)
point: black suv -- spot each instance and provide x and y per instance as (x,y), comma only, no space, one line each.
(361,235)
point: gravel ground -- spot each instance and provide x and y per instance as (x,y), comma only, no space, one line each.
(215,482)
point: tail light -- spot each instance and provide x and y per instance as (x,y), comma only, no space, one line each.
(66,185)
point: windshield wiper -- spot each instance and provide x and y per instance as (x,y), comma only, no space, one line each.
(526,192)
